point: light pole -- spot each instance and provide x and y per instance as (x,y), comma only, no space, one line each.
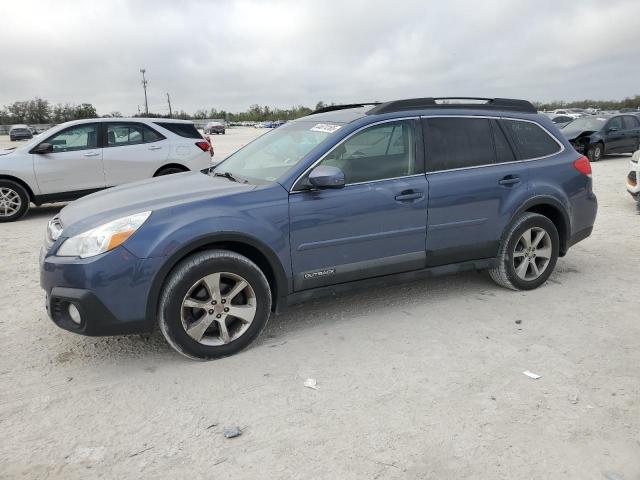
(169,101)
(144,85)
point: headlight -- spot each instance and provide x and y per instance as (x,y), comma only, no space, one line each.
(103,238)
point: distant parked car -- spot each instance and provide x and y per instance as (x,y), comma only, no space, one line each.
(633,186)
(80,157)
(214,127)
(569,112)
(600,135)
(20,132)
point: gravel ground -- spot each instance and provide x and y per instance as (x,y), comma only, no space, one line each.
(421,380)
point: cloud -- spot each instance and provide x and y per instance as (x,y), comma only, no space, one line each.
(229,55)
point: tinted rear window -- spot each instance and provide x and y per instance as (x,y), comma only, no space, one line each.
(187,130)
(458,143)
(530,139)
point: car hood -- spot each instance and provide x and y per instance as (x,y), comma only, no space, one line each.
(153,194)
(573,133)
(7,151)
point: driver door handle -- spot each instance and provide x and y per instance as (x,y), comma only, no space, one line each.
(155,147)
(91,154)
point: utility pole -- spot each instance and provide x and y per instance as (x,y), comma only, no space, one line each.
(144,85)
(138,109)
(169,102)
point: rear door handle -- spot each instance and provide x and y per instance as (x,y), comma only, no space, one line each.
(91,154)
(408,195)
(509,180)
(154,147)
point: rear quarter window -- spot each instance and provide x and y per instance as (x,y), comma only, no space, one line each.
(186,130)
(530,139)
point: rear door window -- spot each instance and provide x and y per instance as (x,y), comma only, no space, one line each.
(120,134)
(458,143)
(531,140)
(187,130)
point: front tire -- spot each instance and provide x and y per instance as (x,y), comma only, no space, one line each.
(14,201)
(595,152)
(528,253)
(214,304)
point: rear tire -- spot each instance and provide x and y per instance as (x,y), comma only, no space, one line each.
(200,297)
(14,201)
(595,152)
(528,253)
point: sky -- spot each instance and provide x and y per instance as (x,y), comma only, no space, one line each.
(232,54)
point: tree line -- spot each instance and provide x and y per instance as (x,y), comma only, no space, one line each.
(40,111)
(629,102)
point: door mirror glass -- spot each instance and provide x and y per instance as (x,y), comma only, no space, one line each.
(612,129)
(325,176)
(43,148)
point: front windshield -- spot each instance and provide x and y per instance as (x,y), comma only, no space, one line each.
(276,152)
(586,123)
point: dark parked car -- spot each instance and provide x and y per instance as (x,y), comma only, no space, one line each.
(596,136)
(214,127)
(350,196)
(20,132)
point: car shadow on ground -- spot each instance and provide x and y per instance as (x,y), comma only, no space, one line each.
(326,313)
(49,210)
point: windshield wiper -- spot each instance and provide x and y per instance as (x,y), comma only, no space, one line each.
(225,175)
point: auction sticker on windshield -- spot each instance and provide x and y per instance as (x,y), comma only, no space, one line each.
(325,127)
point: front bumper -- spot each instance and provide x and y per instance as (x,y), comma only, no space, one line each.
(110,291)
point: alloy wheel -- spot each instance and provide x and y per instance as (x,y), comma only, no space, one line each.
(532,253)
(10,202)
(218,309)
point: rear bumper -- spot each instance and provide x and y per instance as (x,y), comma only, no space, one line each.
(110,291)
(584,210)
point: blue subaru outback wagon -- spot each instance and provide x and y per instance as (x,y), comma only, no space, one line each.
(348,196)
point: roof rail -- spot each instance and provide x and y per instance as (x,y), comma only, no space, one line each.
(331,108)
(441,102)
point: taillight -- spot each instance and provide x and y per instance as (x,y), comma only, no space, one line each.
(203,145)
(583,166)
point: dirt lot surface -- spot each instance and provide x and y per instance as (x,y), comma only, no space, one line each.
(420,380)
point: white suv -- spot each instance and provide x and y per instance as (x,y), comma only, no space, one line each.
(633,178)
(80,157)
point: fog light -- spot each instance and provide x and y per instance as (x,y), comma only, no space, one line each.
(74,313)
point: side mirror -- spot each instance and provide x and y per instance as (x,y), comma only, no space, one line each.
(43,148)
(326,176)
(612,129)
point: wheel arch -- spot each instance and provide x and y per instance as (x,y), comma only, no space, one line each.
(253,249)
(171,165)
(20,182)
(555,211)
